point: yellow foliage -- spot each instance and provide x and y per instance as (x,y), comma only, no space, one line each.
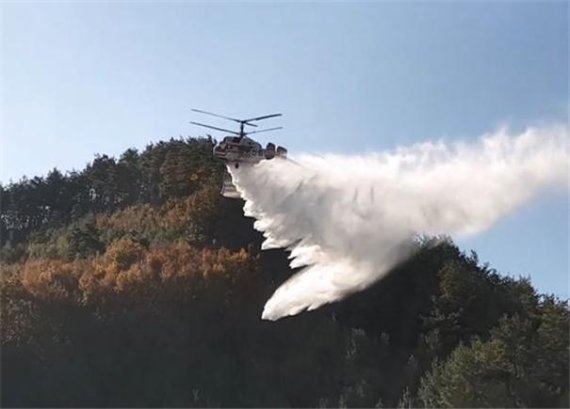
(173,217)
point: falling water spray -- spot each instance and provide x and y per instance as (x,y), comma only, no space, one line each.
(347,220)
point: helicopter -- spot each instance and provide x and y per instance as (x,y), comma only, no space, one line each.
(234,150)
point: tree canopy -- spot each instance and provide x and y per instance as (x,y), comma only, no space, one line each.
(133,282)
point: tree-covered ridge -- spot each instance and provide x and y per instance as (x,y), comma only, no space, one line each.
(162,172)
(134,283)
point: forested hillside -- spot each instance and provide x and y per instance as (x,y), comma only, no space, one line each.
(135,283)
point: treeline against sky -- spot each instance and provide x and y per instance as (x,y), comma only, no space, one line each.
(135,283)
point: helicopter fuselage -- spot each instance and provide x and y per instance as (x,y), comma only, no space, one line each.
(239,149)
(236,149)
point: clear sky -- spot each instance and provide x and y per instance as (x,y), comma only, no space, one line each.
(86,78)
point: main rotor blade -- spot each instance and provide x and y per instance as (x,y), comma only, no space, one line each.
(265,130)
(259,118)
(214,127)
(218,115)
(221,116)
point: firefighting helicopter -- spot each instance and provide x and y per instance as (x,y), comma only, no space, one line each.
(233,150)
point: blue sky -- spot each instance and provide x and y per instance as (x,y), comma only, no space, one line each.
(86,78)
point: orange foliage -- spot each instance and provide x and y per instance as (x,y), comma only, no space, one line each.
(123,253)
(128,268)
(53,279)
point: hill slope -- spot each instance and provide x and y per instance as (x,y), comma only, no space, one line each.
(134,283)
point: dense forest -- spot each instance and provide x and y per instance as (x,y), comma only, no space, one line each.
(134,283)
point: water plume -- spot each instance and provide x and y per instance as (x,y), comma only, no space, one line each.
(347,220)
